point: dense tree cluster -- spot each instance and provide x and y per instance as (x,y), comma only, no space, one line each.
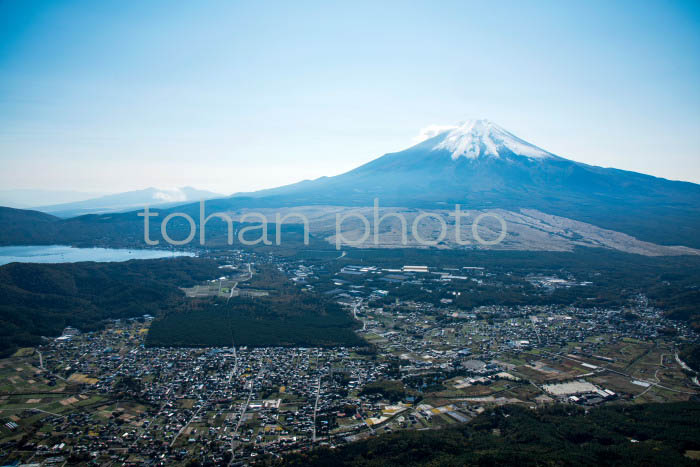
(388,389)
(297,322)
(287,317)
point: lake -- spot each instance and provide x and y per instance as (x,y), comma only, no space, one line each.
(69,254)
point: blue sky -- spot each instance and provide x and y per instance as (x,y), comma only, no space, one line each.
(234,96)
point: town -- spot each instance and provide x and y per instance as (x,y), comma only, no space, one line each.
(108,398)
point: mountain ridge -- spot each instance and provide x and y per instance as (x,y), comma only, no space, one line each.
(430,176)
(128,200)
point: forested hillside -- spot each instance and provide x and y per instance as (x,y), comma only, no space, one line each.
(42,299)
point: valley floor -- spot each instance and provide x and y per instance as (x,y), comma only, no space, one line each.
(105,397)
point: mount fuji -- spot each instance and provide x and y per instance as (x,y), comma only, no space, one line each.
(480,165)
(481,138)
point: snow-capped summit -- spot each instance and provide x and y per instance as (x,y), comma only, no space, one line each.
(477,138)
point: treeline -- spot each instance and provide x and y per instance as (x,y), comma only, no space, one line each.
(42,299)
(651,434)
(389,389)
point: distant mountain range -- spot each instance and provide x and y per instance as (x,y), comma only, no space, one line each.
(29,198)
(476,164)
(127,201)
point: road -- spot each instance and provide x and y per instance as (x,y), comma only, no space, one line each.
(359,407)
(354,313)
(230,378)
(240,420)
(359,412)
(29,408)
(172,443)
(318,396)
(155,417)
(41,365)
(235,284)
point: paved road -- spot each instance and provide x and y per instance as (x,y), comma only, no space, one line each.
(240,420)
(354,313)
(318,396)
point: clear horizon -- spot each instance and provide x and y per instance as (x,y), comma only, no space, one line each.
(237,97)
